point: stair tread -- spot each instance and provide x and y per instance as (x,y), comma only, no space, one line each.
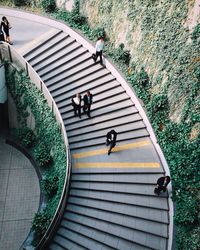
(39,51)
(98,102)
(147,213)
(72,89)
(63,63)
(121,137)
(124,113)
(135,121)
(48,57)
(116,178)
(147,226)
(39,41)
(66,243)
(83,238)
(66,77)
(58,59)
(125,188)
(101,131)
(101,228)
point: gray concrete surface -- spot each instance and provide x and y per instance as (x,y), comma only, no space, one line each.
(19,196)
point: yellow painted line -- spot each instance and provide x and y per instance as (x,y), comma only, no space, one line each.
(105,150)
(116,165)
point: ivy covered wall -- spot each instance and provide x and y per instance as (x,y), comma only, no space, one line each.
(160,36)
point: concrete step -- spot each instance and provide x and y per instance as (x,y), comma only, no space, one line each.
(70,77)
(126,188)
(64,63)
(100,140)
(82,237)
(103,99)
(68,242)
(63,87)
(39,51)
(97,234)
(116,178)
(116,230)
(71,68)
(107,105)
(135,120)
(118,114)
(65,99)
(72,89)
(146,213)
(39,42)
(136,198)
(55,246)
(64,47)
(150,227)
(101,131)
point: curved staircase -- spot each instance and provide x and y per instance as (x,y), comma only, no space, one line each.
(111,204)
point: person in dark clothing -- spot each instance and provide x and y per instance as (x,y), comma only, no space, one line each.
(87,99)
(162,183)
(76,103)
(111,139)
(6,26)
(2,39)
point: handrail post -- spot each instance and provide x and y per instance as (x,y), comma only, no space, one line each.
(10,55)
(27,68)
(41,86)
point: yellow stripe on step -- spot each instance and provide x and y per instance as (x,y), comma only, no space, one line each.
(116,165)
(105,150)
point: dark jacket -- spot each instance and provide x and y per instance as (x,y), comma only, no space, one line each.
(161,180)
(87,99)
(109,135)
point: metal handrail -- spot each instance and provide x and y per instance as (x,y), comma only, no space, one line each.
(12,54)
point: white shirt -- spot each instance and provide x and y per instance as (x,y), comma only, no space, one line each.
(76,100)
(99,45)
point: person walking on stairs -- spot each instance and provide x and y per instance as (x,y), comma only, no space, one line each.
(6,26)
(87,99)
(99,50)
(162,183)
(76,103)
(111,139)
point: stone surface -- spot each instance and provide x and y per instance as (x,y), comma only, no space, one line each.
(19,196)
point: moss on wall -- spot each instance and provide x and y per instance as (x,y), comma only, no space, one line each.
(159,37)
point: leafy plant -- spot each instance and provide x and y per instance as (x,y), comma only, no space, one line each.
(26,136)
(48,6)
(42,154)
(40,223)
(50,185)
(19,3)
(196,32)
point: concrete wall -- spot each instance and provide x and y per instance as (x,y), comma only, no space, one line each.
(3,89)
(66,4)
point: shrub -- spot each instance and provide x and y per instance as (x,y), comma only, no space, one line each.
(21,2)
(120,54)
(40,223)
(42,154)
(48,6)
(26,136)
(196,32)
(50,185)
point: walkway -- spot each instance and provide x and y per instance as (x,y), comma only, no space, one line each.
(19,196)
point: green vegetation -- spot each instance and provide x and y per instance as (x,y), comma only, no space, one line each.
(25,136)
(44,141)
(165,74)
